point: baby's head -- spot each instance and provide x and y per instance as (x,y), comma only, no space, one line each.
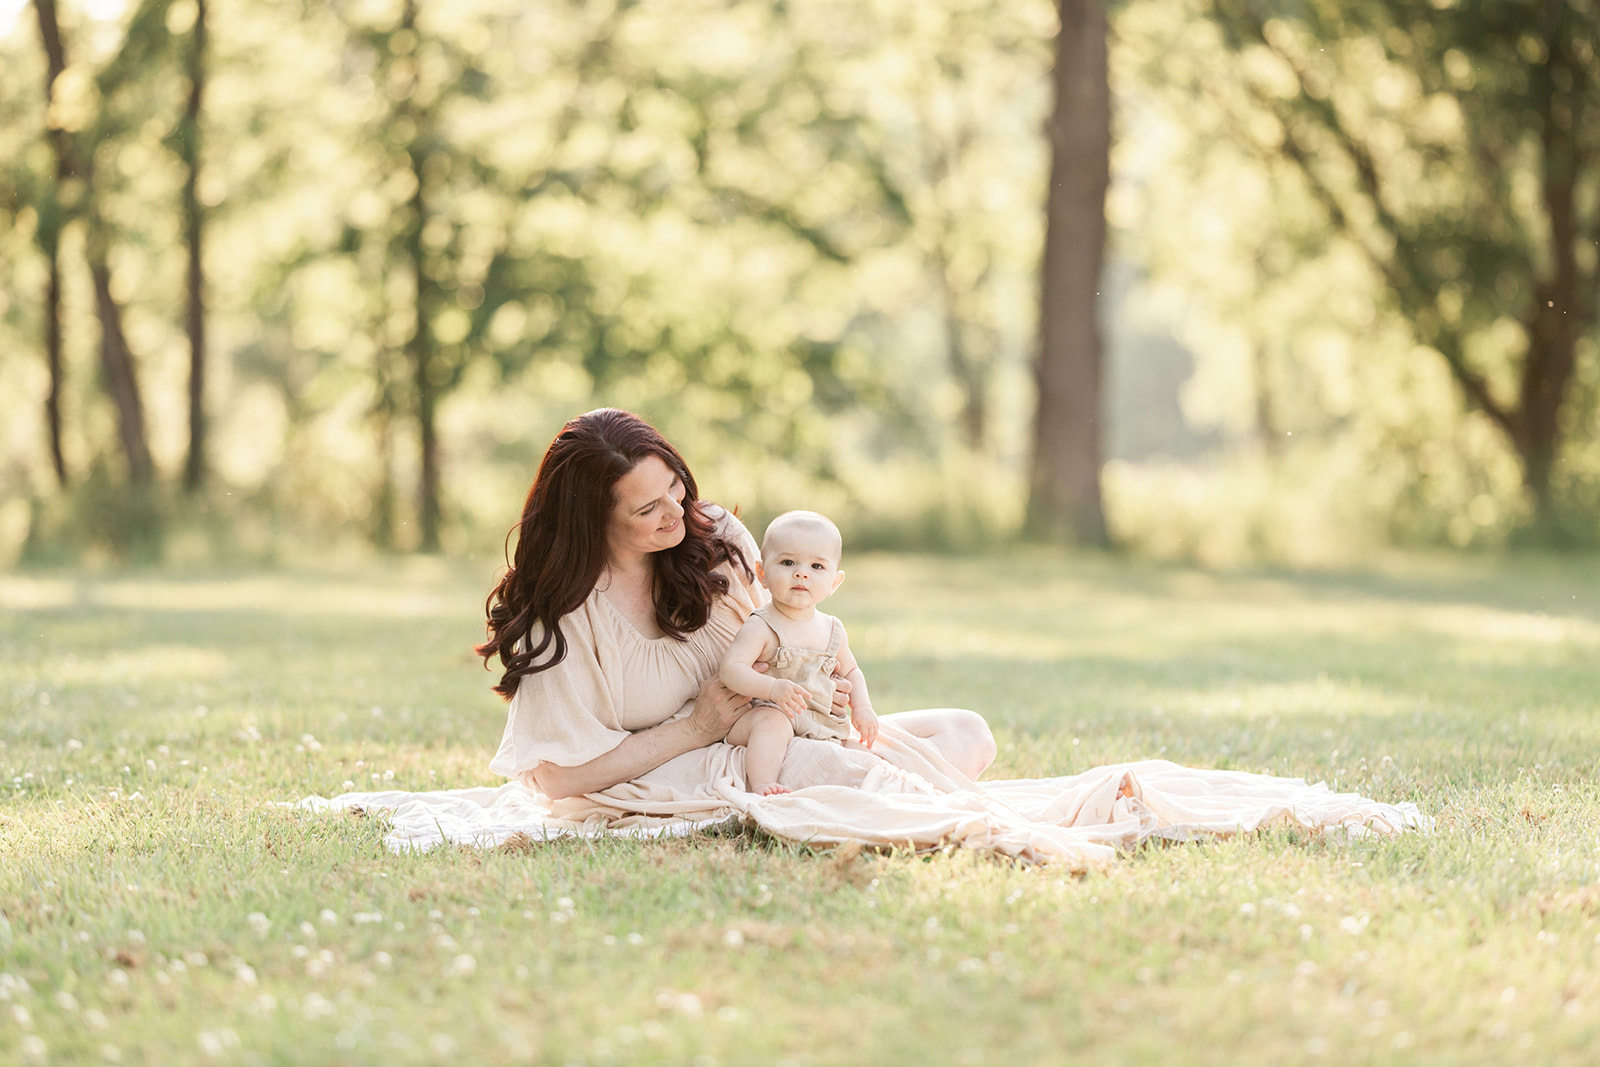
(800,556)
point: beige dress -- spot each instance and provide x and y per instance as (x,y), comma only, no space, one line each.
(903,793)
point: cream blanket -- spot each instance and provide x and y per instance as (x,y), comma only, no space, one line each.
(910,798)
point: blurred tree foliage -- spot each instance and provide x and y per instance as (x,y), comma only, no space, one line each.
(803,238)
(1437,164)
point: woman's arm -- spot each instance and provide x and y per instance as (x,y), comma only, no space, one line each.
(716,709)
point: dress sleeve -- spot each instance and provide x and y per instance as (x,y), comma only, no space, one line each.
(566,715)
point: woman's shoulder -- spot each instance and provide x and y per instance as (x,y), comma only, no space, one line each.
(724,523)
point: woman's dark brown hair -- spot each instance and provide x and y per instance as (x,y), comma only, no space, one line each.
(561,545)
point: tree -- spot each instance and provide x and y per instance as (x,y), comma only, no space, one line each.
(76,165)
(188,143)
(1064,502)
(1458,147)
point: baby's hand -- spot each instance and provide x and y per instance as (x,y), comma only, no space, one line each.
(791,697)
(866,724)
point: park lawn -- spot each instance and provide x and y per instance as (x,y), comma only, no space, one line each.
(159,906)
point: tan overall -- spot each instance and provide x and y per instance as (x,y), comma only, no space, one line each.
(813,669)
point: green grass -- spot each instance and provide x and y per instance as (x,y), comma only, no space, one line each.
(159,908)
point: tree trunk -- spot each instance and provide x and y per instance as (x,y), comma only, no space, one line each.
(421,344)
(52,354)
(194,469)
(1064,503)
(50,233)
(116,363)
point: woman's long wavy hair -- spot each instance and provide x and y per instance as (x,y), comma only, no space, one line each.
(561,545)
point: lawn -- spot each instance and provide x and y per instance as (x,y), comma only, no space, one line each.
(160,907)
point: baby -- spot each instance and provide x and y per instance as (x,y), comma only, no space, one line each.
(800,565)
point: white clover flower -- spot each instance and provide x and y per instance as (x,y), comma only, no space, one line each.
(259,924)
(364,917)
(316,967)
(21,1016)
(96,1019)
(310,743)
(66,1001)
(196,959)
(461,966)
(383,959)
(685,1004)
(317,1006)
(33,1048)
(117,978)
(329,917)
(733,939)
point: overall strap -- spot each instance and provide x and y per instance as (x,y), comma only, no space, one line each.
(765,615)
(836,638)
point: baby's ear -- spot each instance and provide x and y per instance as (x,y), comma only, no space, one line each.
(761,573)
(838,580)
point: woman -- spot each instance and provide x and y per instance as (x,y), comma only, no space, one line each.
(623,594)
(610,624)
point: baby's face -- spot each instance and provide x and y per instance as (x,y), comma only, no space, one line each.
(800,566)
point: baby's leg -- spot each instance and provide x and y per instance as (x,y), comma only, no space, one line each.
(765,734)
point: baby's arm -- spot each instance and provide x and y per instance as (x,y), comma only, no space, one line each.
(861,713)
(755,643)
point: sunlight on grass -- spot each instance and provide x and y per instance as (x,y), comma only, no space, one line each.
(157,903)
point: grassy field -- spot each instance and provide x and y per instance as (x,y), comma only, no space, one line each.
(158,908)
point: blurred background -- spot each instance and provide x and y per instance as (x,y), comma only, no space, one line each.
(1226,281)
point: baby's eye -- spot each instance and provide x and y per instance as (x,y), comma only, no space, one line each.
(819,566)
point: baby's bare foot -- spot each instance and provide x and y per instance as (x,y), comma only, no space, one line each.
(774,789)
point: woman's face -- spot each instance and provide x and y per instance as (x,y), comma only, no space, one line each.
(647,515)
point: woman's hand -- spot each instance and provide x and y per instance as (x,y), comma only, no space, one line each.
(841,696)
(716,709)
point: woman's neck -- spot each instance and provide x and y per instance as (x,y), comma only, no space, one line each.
(632,569)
